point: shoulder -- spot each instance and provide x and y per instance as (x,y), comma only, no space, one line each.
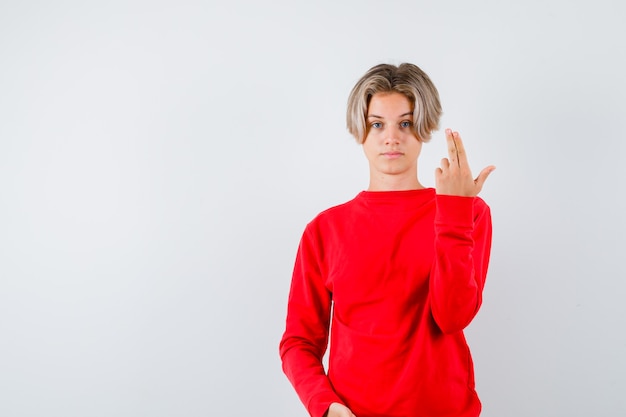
(338,211)
(334,215)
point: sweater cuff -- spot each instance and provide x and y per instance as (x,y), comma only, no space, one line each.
(319,403)
(454,210)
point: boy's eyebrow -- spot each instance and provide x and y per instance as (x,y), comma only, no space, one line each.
(380,117)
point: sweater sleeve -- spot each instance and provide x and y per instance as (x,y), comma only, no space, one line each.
(305,340)
(462,249)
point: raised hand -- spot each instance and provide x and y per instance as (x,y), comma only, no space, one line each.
(454,177)
(339,410)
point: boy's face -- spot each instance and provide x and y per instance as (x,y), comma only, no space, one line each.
(391,146)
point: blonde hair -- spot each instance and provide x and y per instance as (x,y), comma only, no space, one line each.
(406,79)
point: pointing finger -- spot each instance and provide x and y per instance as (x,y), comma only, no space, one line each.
(452,147)
(460,149)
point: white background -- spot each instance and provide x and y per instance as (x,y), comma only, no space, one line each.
(159,161)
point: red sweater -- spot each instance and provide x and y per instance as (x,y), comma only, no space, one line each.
(404,273)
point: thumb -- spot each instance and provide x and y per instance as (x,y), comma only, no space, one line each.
(482,177)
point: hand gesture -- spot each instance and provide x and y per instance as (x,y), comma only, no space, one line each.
(339,410)
(455,177)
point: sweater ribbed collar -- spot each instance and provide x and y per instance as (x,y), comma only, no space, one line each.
(404,198)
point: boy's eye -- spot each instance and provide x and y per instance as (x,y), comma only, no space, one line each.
(405,123)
